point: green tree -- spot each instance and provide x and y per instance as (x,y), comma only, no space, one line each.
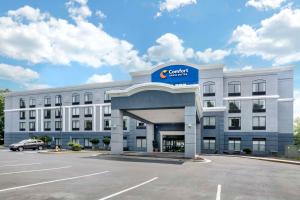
(2,100)
(297,131)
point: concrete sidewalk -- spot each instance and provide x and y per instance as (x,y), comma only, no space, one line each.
(294,162)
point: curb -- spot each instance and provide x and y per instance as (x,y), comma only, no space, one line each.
(65,152)
(273,160)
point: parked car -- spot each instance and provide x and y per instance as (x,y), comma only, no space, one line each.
(27,144)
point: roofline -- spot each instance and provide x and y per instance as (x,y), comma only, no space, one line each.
(70,88)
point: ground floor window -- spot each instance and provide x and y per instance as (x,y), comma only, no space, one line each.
(107,124)
(234,144)
(57,141)
(259,144)
(125,144)
(141,142)
(75,140)
(209,143)
(87,142)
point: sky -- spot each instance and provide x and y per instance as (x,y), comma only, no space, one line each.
(55,43)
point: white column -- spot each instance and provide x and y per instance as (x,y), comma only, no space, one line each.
(37,120)
(117,132)
(69,119)
(94,118)
(150,137)
(101,118)
(42,119)
(63,119)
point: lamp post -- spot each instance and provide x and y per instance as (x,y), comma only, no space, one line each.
(60,129)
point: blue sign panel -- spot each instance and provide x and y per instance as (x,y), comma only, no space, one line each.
(176,74)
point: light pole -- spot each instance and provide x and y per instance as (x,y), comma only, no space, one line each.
(60,129)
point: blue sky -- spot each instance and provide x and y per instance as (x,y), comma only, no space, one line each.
(54,43)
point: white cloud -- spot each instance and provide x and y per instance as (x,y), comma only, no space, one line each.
(210,56)
(100,14)
(100,78)
(170,48)
(35,86)
(247,67)
(78,9)
(17,73)
(170,5)
(39,38)
(277,39)
(265,4)
(297,104)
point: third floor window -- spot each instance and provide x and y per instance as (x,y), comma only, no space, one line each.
(234,88)
(88,98)
(47,101)
(209,89)
(209,103)
(22,103)
(75,99)
(259,87)
(32,103)
(58,101)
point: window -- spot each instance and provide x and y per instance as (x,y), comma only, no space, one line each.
(234,123)
(209,122)
(88,98)
(106,98)
(234,106)
(58,101)
(234,88)
(141,143)
(31,126)
(58,113)
(125,124)
(88,111)
(87,142)
(47,126)
(31,114)
(259,87)
(47,114)
(234,144)
(259,144)
(88,125)
(259,123)
(75,140)
(22,103)
(75,112)
(22,114)
(140,125)
(107,124)
(259,105)
(75,125)
(75,99)
(47,101)
(209,143)
(209,103)
(58,126)
(32,103)
(209,89)
(22,126)
(107,110)
(57,141)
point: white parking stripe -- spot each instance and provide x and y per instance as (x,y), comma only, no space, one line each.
(36,170)
(20,165)
(126,190)
(219,192)
(53,181)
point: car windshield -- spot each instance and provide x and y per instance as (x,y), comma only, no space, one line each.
(23,141)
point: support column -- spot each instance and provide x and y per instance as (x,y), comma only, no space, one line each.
(190,131)
(150,137)
(116,132)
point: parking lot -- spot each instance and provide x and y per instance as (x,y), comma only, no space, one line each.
(30,175)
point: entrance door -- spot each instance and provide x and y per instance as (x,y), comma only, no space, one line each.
(172,141)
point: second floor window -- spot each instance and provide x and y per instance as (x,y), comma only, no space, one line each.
(209,103)
(234,123)
(58,113)
(140,125)
(234,88)
(22,103)
(259,87)
(58,125)
(75,125)
(209,122)
(22,126)
(47,126)
(107,110)
(234,106)
(31,126)
(22,114)
(88,98)
(88,111)
(75,112)
(106,97)
(125,124)
(47,101)
(75,99)
(259,123)
(259,105)
(107,124)
(32,103)
(47,114)
(209,89)
(58,101)
(32,114)
(88,125)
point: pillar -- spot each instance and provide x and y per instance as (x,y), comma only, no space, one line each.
(116,132)
(190,131)
(150,137)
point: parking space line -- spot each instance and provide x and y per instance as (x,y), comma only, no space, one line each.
(20,165)
(53,181)
(218,197)
(128,189)
(36,170)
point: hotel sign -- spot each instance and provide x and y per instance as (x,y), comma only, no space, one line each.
(176,74)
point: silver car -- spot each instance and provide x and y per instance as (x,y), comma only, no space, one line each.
(27,144)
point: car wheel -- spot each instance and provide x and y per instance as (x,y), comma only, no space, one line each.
(40,148)
(20,148)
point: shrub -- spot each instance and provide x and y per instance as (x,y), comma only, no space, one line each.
(75,146)
(106,141)
(95,141)
(247,151)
